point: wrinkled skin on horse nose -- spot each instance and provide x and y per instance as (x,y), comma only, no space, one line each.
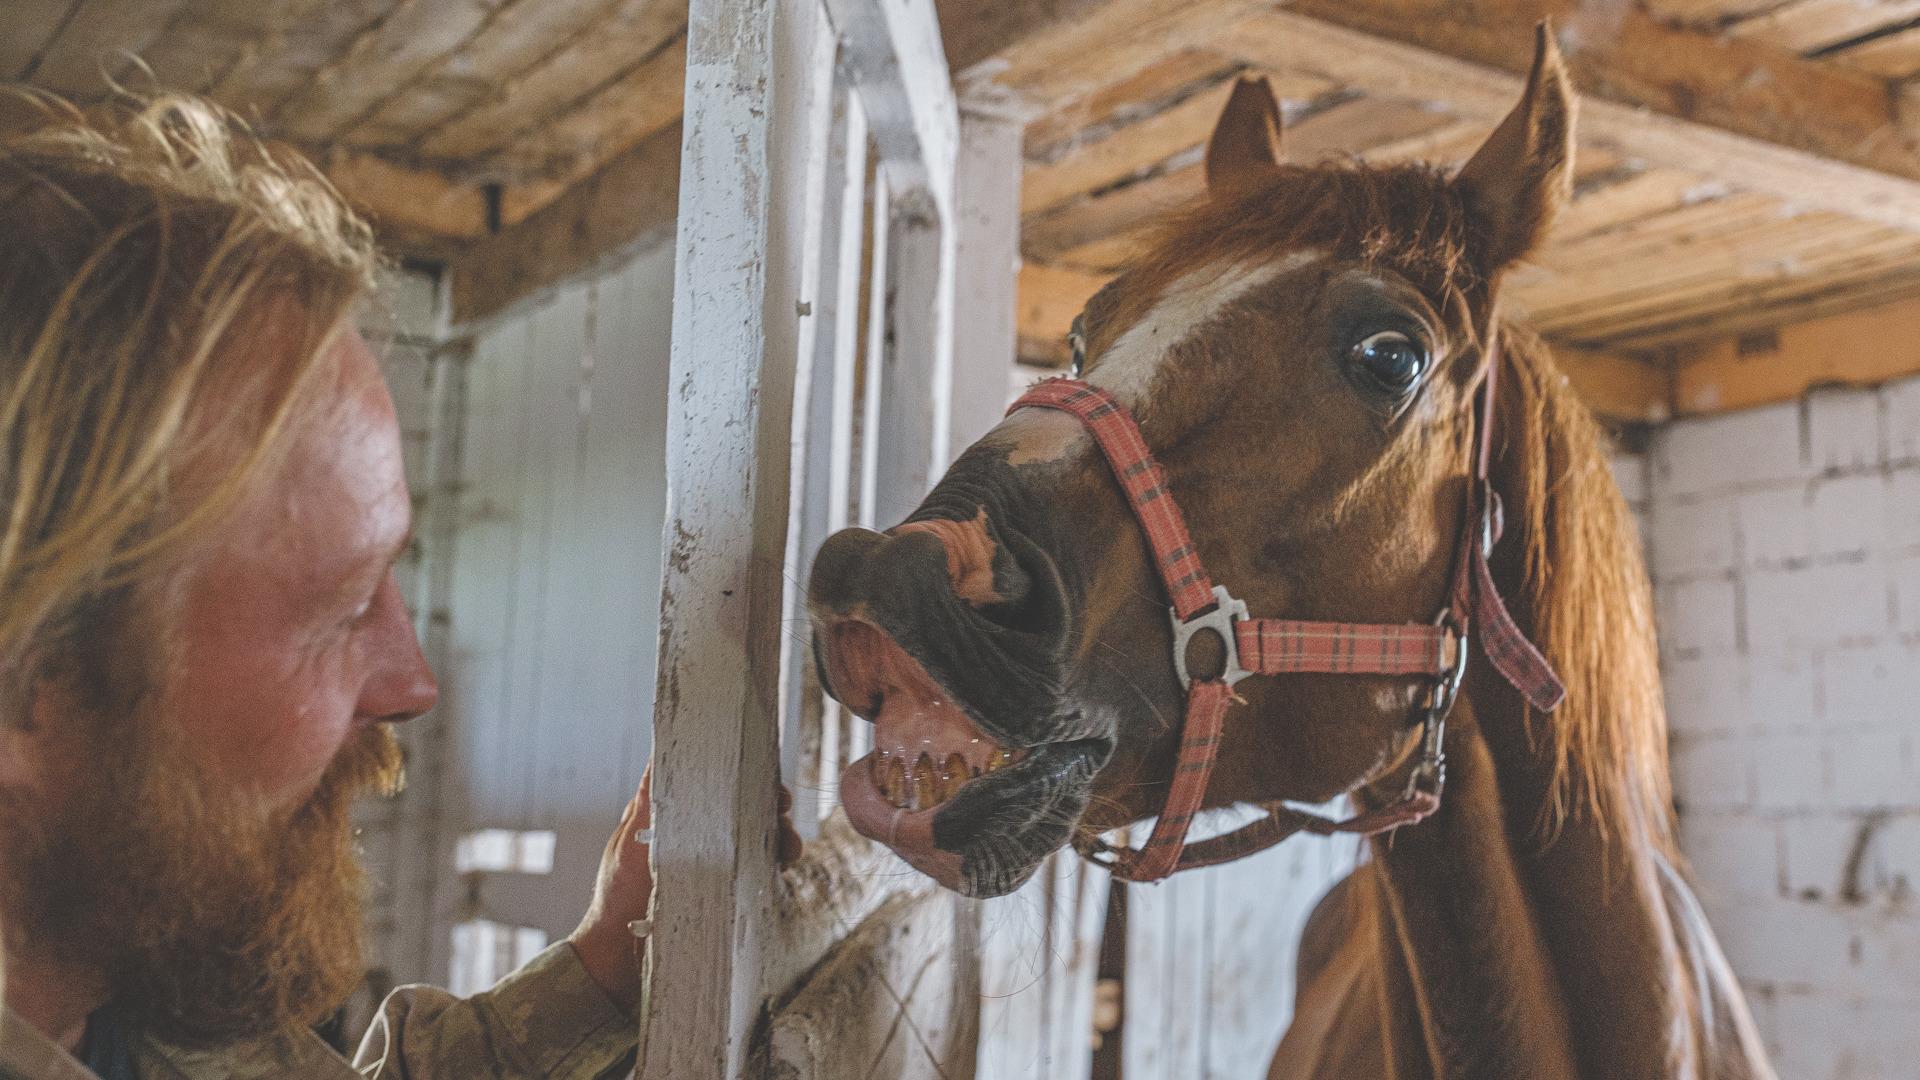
(951,633)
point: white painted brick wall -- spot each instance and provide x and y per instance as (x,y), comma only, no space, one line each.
(1785,548)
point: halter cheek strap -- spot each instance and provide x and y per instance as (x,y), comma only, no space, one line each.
(1435,651)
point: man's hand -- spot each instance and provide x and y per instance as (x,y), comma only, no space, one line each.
(608,948)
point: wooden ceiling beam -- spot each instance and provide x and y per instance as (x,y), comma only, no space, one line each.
(1058,51)
(518,37)
(1808,133)
(621,40)
(407,204)
(1861,348)
(634,196)
(378,65)
(1619,388)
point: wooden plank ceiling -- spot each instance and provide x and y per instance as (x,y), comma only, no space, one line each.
(1744,163)
(450,119)
(1667,243)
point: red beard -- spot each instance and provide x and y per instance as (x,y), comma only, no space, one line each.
(211,919)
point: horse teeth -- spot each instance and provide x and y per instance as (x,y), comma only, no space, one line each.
(896,786)
(954,775)
(998,759)
(926,792)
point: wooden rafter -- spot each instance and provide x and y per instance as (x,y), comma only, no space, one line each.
(632,197)
(629,34)
(33,27)
(1787,149)
(520,35)
(1860,348)
(1617,53)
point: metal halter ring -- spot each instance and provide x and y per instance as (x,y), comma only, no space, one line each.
(1219,619)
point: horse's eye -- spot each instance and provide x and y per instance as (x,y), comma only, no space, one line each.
(1391,359)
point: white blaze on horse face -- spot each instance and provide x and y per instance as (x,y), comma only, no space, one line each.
(1040,435)
(1129,369)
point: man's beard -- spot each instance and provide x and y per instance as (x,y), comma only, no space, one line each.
(211,918)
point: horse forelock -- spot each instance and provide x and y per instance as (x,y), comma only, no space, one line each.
(1407,218)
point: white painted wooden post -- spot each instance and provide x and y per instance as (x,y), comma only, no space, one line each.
(879,287)
(916,365)
(810,140)
(822,447)
(899,67)
(738,278)
(987,223)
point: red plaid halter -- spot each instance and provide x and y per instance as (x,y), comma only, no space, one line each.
(1437,650)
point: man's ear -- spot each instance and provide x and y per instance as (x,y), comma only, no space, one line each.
(1246,141)
(1522,175)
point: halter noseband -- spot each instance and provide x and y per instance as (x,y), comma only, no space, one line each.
(1436,650)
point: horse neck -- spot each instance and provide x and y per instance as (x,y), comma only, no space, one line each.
(1509,955)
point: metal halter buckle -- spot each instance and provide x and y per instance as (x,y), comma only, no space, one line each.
(1430,772)
(1220,619)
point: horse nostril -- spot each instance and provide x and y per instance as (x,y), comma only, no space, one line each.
(1031,599)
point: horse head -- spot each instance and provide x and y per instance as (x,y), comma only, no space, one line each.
(1302,350)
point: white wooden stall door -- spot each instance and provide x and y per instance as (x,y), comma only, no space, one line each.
(1210,961)
(849,965)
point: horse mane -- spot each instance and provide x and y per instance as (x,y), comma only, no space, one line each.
(1585,597)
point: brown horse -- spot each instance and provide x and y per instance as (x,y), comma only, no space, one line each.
(1303,350)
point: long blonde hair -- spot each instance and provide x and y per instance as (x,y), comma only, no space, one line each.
(168,285)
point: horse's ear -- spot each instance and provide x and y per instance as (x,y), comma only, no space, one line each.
(1246,141)
(1522,175)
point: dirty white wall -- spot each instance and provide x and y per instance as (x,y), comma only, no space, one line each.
(547,682)
(1786,553)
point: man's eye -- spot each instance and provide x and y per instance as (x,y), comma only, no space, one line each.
(1391,359)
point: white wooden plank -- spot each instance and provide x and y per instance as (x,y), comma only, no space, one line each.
(1210,960)
(737,284)
(556,339)
(1077,921)
(821,499)
(873,367)
(894,1000)
(916,361)
(987,222)
(897,62)
(1260,905)
(1015,972)
(810,140)
(1040,952)
(625,463)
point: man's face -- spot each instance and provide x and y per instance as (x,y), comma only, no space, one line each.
(190,842)
(293,636)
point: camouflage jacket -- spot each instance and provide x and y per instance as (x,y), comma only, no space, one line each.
(547,1021)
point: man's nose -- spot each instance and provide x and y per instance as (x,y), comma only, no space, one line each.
(401,685)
